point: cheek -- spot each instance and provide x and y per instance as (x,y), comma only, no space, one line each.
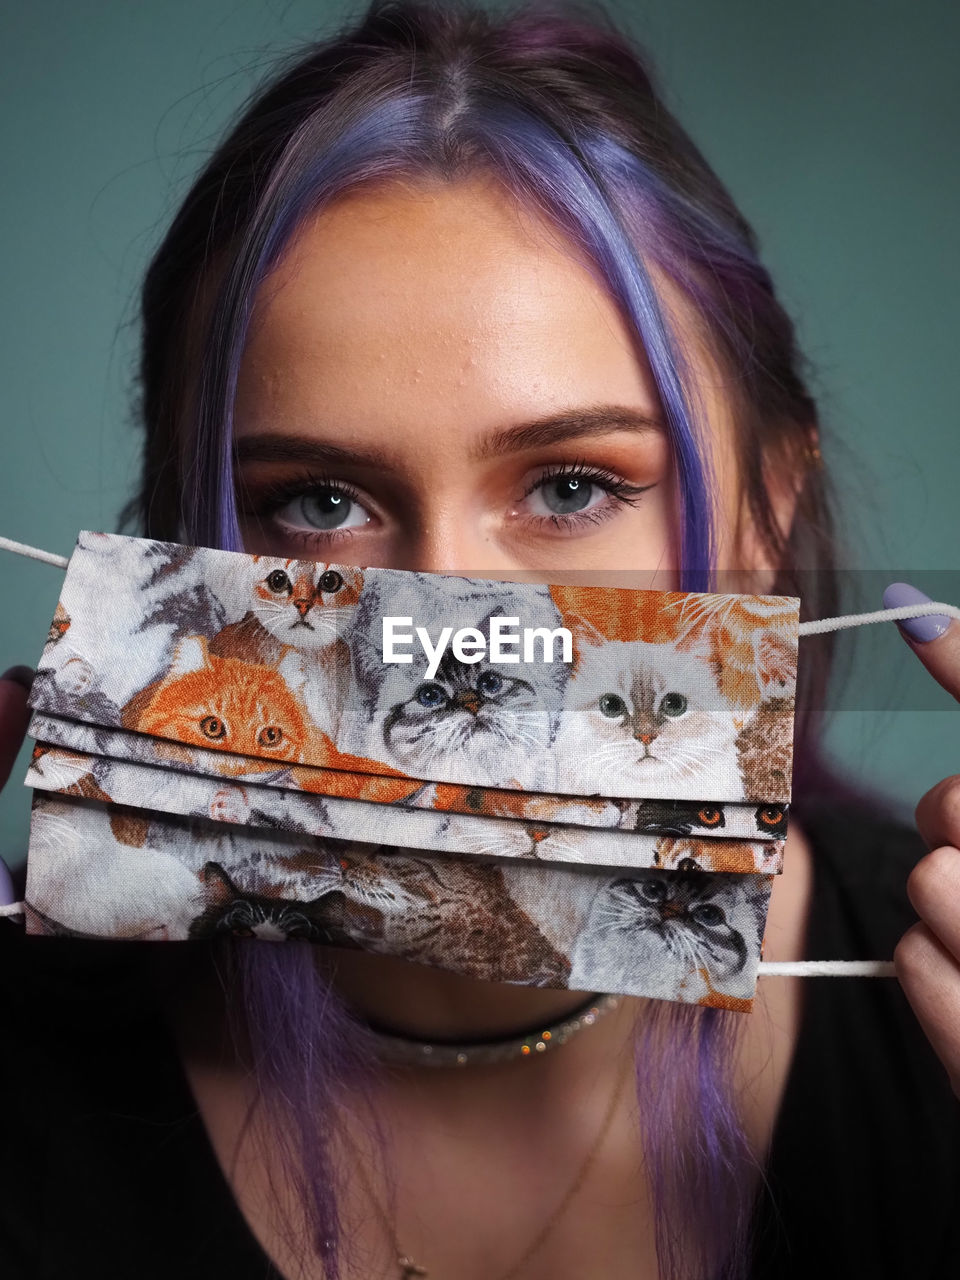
(414,713)
(607,730)
(703,723)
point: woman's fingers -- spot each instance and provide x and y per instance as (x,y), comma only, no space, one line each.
(930,977)
(938,813)
(927,957)
(933,887)
(935,639)
(14,716)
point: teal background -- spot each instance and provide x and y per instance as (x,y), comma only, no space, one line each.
(834,124)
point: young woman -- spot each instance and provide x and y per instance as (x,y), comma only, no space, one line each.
(458,294)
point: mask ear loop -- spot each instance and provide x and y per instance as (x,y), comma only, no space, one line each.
(816,626)
(33,553)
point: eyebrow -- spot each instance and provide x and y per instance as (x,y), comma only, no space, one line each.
(595,420)
(554,428)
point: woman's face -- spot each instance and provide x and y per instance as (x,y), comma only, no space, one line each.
(434,380)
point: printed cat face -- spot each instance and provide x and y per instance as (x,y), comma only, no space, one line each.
(497,718)
(672,926)
(648,718)
(225,704)
(303,603)
(468,711)
(242,914)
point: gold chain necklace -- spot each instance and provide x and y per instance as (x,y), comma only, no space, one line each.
(407,1269)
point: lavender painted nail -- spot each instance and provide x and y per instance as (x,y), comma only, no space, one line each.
(928,627)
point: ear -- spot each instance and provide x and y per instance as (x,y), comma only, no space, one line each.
(190,655)
(699,640)
(776,664)
(219,885)
(585,634)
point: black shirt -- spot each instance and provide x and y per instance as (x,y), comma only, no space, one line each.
(106,1171)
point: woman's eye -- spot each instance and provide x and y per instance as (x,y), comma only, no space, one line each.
(324,510)
(564,495)
(578,493)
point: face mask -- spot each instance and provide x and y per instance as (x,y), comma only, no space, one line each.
(580,787)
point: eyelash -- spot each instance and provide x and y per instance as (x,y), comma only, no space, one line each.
(620,490)
(273,497)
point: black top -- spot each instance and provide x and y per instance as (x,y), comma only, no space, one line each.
(107,1172)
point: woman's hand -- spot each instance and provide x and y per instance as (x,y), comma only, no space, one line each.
(928,955)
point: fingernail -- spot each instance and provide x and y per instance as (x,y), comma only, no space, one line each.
(19,675)
(922,629)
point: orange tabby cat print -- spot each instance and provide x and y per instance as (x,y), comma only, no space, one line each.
(222,703)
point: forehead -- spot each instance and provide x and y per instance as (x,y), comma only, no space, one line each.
(450,300)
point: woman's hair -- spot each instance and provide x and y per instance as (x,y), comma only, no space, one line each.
(557,104)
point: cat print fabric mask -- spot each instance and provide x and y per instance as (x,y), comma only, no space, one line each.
(581,787)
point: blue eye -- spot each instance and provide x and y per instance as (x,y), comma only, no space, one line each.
(708,914)
(489,682)
(430,695)
(324,509)
(612,706)
(565,495)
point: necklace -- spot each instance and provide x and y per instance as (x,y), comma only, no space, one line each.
(407,1050)
(407,1269)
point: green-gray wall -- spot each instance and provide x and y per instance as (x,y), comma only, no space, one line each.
(834,124)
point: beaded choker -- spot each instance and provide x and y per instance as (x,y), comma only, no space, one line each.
(408,1050)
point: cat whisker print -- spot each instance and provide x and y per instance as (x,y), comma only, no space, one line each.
(677,923)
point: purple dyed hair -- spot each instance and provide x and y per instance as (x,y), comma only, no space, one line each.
(556,102)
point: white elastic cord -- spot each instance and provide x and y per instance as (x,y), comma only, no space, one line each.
(819,625)
(766,968)
(33,553)
(826,969)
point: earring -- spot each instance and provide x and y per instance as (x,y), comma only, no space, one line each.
(814,456)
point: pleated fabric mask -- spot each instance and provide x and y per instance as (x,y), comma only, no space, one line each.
(581,787)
